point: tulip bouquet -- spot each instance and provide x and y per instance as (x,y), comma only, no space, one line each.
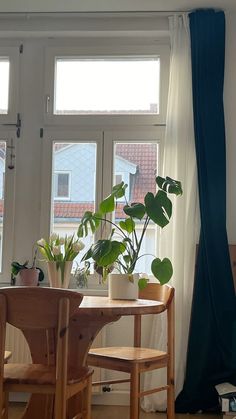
(59,253)
(60,249)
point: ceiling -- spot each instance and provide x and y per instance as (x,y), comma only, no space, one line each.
(15,6)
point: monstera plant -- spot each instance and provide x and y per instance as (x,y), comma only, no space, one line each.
(123,246)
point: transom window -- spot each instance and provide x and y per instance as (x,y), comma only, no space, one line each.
(107,86)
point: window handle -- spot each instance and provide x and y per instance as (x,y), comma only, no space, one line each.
(47,103)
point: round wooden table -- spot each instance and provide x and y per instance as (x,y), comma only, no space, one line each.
(92,315)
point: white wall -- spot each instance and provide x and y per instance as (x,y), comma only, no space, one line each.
(107,5)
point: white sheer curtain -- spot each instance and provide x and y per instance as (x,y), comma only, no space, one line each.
(178,239)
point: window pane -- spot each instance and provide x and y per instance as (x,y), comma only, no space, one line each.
(78,160)
(62,185)
(138,164)
(107,86)
(4,85)
(2,189)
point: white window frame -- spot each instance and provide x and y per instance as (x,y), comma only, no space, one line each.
(9,208)
(105,153)
(11,53)
(63,198)
(161,51)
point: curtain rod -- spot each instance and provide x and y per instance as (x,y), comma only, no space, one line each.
(99,12)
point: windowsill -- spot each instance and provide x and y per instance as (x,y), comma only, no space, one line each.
(85,291)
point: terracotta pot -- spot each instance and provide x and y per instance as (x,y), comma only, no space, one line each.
(123,287)
(59,274)
(28,277)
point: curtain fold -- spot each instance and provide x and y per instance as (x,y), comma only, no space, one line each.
(178,240)
(210,357)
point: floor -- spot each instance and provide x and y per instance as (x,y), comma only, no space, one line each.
(114,412)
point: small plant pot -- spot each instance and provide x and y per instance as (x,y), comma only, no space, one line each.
(28,277)
(123,287)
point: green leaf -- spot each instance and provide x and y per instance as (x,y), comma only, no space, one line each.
(107,205)
(127,258)
(119,190)
(106,252)
(142,283)
(158,208)
(88,221)
(127,225)
(80,231)
(169,185)
(162,270)
(135,210)
(87,255)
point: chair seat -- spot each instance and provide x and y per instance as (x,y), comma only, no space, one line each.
(129,354)
(39,374)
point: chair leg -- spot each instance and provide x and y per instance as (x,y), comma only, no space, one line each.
(5,406)
(86,405)
(171,401)
(134,392)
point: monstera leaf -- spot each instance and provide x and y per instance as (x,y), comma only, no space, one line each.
(106,252)
(89,221)
(159,208)
(135,210)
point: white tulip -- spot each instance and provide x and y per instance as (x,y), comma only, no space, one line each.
(41,242)
(56,250)
(81,245)
(61,240)
(78,246)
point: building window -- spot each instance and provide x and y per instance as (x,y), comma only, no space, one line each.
(62,186)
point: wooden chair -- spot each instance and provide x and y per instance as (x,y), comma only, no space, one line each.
(135,360)
(43,309)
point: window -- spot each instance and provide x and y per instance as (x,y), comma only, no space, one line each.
(71,153)
(62,185)
(139,162)
(4,85)
(9,84)
(107,86)
(102,91)
(82,154)
(131,156)
(7,180)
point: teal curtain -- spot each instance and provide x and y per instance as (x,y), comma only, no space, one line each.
(210,358)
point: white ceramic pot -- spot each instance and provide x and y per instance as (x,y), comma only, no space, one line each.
(120,287)
(59,273)
(28,277)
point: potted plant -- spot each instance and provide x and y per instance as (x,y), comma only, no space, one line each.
(26,275)
(59,253)
(123,253)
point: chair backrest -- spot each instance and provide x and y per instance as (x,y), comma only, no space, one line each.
(155,291)
(34,310)
(165,294)
(35,307)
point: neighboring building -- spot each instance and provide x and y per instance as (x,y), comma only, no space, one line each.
(74,181)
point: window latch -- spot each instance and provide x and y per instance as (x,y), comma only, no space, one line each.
(17,125)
